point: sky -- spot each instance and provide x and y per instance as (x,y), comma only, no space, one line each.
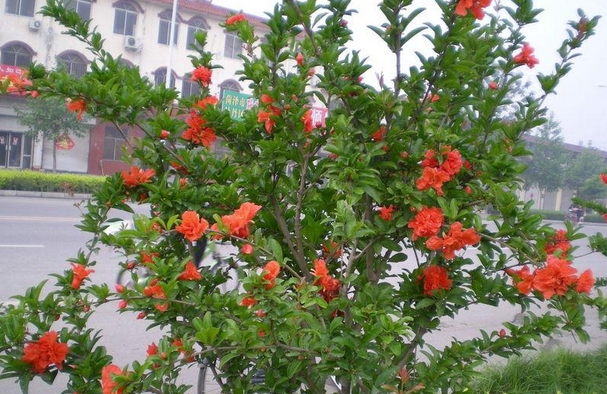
(581,101)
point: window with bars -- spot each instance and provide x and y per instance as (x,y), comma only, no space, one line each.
(20,7)
(125,19)
(189,88)
(164,28)
(194,26)
(160,77)
(82,7)
(112,144)
(233,46)
(73,64)
(16,55)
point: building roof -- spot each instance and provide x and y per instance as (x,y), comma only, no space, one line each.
(208,8)
(569,147)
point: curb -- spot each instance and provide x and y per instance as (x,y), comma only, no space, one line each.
(24,193)
(582,224)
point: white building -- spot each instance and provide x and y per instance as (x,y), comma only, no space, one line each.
(137,30)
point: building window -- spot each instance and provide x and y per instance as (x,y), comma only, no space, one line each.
(125,19)
(228,85)
(160,77)
(16,55)
(126,63)
(82,7)
(112,144)
(164,29)
(194,26)
(233,46)
(73,64)
(20,7)
(189,88)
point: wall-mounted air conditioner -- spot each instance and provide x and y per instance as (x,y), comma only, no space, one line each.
(35,24)
(133,43)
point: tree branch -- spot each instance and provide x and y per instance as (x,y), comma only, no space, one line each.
(284,228)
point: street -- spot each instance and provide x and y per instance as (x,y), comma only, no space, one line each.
(37,236)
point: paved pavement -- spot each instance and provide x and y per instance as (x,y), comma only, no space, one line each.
(37,236)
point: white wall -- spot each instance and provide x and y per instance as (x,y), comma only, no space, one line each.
(48,43)
(73,160)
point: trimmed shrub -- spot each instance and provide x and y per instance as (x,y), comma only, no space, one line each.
(46,182)
(560,215)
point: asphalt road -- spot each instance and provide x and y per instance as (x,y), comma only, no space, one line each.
(37,236)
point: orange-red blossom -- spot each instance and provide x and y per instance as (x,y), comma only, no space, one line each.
(557,277)
(475,7)
(80,272)
(427,222)
(238,222)
(235,19)
(435,278)
(78,106)
(454,240)
(272,269)
(202,75)
(329,285)
(44,352)
(192,226)
(137,176)
(107,384)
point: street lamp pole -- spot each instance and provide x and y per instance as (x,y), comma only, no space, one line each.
(171,38)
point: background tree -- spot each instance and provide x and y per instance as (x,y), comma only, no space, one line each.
(593,189)
(549,158)
(50,119)
(583,167)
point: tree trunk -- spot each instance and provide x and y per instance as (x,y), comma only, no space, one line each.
(542,198)
(54,157)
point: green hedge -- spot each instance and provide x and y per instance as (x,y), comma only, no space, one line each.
(48,182)
(559,215)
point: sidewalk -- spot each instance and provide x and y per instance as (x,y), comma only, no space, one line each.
(24,193)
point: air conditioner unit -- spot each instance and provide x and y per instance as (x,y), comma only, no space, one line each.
(35,24)
(133,43)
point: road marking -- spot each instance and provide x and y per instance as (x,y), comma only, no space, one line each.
(40,218)
(21,246)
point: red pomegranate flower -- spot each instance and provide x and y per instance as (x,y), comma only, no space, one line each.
(386,212)
(427,222)
(238,222)
(79,274)
(190,272)
(137,176)
(107,384)
(78,106)
(202,75)
(435,278)
(235,19)
(475,7)
(192,226)
(556,278)
(44,352)
(271,270)
(526,56)
(432,178)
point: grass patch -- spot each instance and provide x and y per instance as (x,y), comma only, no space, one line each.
(547,373)
(48,182)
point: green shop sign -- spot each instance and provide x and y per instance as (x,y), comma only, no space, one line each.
(237,103)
